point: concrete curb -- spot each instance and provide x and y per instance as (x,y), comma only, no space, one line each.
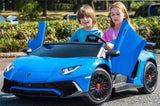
(11,54)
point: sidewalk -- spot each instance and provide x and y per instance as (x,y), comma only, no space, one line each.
(17,54)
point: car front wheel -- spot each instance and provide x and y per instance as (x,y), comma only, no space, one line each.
(100,88)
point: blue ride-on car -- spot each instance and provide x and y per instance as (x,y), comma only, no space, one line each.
(74,69)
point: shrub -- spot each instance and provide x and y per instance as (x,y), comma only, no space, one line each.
(12,45)
(103,23)
(148,28)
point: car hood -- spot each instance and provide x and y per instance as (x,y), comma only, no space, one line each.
(40,69)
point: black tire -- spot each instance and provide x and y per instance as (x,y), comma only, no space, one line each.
(150,77)
(100,88)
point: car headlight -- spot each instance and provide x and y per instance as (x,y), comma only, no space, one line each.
(68,70)
(9,67)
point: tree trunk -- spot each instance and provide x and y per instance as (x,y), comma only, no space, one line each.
(129,5)
(107,5)
(45,8)
(13,5)
(75,6)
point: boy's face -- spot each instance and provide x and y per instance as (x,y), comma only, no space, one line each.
(117,16)
(86,22)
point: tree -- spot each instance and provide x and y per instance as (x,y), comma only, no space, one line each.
(29,10)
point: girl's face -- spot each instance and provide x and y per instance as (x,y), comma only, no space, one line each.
(86,22)
(117,16)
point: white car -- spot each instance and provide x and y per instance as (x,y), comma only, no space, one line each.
(70,17)
(13,19)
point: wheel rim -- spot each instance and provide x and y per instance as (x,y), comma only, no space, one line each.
(151,78)
(100,86)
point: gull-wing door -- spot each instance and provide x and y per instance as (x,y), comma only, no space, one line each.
(130,44)
(39,39)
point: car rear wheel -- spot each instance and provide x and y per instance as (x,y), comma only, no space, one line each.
(100,88)
(150,77)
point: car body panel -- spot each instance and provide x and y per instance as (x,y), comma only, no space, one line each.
(48,69)
(143,57)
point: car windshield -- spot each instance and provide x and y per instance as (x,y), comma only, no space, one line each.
(155,10)
(64,50)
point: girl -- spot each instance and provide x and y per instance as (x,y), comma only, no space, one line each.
(118,13)
(87,18)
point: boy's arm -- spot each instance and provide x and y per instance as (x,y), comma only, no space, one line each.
(74,37)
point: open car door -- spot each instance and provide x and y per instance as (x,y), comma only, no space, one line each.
(130,44)
(39,39)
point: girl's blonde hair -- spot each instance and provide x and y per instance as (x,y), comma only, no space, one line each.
(88,11)
(122,7)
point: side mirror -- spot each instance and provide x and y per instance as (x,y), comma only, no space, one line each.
(27,50)
(112,53)
(149,45)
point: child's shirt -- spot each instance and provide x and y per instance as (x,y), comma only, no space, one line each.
(80,34)
(110,35)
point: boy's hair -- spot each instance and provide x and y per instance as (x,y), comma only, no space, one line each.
(122,7)
(88,11)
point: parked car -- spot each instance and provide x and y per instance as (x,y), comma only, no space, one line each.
(74,16)
(70,17)
(131,15)
(148,10)
(2,18)
(84,69)
(13,19)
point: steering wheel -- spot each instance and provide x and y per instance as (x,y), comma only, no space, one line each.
(94,38)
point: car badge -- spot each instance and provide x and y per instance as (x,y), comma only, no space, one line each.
(28,74)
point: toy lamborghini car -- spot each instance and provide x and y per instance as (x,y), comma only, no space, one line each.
(74,69)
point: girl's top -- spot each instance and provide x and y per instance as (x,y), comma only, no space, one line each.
(80,34)
(110,35)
